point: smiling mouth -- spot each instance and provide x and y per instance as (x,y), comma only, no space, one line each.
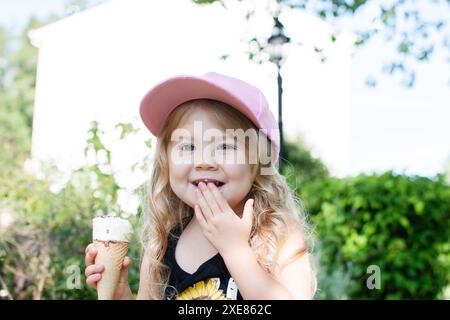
(217,183)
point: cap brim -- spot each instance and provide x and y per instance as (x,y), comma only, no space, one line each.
(162,99)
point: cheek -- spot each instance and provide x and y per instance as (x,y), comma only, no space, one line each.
(240,178)
(178,177)
(236,171)
(179,184)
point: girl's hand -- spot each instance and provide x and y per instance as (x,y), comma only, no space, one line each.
(94,272)
(220,224)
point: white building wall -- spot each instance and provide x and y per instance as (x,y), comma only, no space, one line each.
(99,63)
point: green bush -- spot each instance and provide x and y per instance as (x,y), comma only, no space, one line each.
(398,223)
(42,253)
(301,167)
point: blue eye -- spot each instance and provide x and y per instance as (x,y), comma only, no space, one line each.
(182,147)
(224,146)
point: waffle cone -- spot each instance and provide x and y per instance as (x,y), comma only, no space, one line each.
(111,255)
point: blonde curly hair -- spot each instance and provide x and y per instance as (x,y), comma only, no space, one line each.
(276,207)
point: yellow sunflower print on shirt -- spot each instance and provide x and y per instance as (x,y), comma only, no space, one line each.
(203,291)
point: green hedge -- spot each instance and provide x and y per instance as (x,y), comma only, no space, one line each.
(398,223)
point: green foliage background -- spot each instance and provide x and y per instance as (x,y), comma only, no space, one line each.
(398,223)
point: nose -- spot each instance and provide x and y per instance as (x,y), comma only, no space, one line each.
(205,160)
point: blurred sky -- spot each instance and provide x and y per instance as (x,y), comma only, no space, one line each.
(407,130)
(14,14)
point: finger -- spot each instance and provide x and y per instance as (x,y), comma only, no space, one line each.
(93,279)
(209,198)
(90,256)
(90,245)
(200,218)
(126,262)
(220,200)
(94,268)
(123,278)
(204,205)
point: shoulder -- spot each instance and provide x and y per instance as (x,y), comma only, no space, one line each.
(294,246)
(295,266)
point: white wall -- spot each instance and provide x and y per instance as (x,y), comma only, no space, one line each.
(99,63)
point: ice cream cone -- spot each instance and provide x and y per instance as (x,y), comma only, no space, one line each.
(111,255)
(111,236)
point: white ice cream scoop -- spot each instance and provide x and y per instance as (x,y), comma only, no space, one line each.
(111,237)
(111,228)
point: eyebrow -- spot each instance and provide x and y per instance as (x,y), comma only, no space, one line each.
(191,138)
(191,135)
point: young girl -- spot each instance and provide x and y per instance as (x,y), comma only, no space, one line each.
(221,222)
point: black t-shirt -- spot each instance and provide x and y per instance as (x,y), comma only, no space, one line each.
(212,279)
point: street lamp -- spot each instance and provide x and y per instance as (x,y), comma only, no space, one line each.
(275,47)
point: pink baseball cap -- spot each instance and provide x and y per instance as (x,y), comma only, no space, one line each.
(163,98)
